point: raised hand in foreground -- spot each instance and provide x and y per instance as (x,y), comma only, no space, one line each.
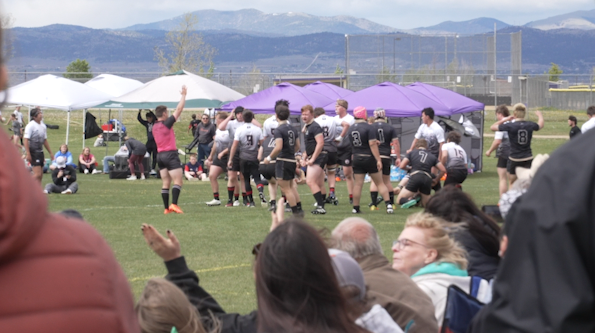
(166,248)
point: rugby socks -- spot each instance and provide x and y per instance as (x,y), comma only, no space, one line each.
(216,195)
(356,208)
(176,194)
(249,196)
(318,198)
(391,195)
(165,197)
(260,188)
(230,190)
(351,197)
(374,196)
(331,191)
(294,209)
(236,197)
(299,205)
(244,197)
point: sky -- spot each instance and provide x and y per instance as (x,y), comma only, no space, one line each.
(401,14)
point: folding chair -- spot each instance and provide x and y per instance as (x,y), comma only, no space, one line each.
(460,309)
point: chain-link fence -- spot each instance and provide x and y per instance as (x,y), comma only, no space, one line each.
(568,92)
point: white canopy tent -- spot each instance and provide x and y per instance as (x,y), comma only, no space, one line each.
(202,93)
(58,93)
(113,85)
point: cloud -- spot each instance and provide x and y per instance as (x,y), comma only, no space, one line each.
(400,14)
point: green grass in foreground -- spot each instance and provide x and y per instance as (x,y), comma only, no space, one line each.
(216,241)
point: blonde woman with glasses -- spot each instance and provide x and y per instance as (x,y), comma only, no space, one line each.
(434,261)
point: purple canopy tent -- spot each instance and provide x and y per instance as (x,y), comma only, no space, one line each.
(396,100)
(454,102)
(329,90)
(264,101)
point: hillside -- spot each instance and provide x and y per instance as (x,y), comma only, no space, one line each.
(57,45)
(286,24)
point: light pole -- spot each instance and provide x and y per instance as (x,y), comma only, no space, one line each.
(394,53)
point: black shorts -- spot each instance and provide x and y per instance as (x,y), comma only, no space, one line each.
(268,170)
(235,162)
(331,159)
(221,163)
(37,158)
(247,166)
(502,162)
(513,164)
(321,160)
(386,164)
(345,157)
(363,164)
(169,160)
(419,182)
(285,170)
(455,176)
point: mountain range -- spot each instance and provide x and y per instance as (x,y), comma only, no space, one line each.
(250,21)
(285,43)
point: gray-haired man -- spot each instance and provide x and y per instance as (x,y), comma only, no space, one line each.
(394,290)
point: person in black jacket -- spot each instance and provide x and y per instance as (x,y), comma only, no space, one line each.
(546,279)
(479,236)
(178,273)
(151,145)
(63,178)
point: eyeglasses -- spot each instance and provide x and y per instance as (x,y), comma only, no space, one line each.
(400,244)
(256,249)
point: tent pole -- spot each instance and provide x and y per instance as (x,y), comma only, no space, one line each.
(120,128)
(67,126)
(84,129)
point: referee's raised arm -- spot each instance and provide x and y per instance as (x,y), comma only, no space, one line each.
(181,104)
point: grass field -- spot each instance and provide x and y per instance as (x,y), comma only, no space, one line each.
(217,241)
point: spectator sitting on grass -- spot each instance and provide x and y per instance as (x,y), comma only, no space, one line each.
(63,178)
(193,169)
(87,162)
(123,151)
(63,152)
